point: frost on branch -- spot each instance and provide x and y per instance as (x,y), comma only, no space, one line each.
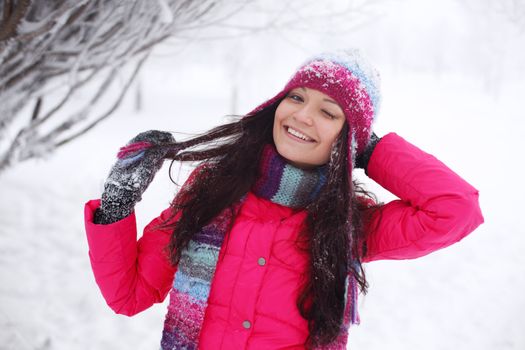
(65,45)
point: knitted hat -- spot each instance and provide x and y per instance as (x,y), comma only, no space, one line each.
(351,81)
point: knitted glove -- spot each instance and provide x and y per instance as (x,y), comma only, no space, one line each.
(363,158)
(137,164)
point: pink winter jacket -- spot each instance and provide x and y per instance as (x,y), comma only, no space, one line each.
(260,271)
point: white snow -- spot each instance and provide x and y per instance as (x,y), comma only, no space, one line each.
(468,296)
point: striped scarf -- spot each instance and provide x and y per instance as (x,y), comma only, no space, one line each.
(278,182)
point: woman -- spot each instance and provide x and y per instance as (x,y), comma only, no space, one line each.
(263,247)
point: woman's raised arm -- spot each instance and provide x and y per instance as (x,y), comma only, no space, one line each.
(435,209)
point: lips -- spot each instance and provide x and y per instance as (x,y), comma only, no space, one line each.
(297,134)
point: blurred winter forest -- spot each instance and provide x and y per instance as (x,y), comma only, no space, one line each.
(78,78)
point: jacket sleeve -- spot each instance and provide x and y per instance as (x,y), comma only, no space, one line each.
(131,275)
(435,209)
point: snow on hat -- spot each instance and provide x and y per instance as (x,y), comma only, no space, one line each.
(348,78)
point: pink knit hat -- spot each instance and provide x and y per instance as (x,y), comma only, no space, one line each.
(350,80)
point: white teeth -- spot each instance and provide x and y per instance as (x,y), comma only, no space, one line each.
(298,134)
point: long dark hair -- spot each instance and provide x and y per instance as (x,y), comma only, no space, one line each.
(334,230)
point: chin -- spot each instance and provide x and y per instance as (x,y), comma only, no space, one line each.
(296,155)
(297,160)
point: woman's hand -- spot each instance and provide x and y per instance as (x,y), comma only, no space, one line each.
(137,164)
(363,158)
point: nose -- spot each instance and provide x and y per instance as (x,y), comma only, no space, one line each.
(304,115)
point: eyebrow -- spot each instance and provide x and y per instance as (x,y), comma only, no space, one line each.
(332,101)
(324,99)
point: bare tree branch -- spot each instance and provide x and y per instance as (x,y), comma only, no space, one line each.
(108,112)
(11,21)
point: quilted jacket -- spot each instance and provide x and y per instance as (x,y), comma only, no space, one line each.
(252,302)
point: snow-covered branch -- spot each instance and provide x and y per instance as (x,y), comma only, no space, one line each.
(64,45)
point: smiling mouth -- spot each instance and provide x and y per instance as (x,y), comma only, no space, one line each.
(298,134)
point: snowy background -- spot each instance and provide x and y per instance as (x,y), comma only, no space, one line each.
(453,83)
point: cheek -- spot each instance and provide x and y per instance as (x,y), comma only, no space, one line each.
(275,126)
(330,133)
(279,116)
(281,112)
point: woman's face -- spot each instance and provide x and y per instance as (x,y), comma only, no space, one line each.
(306,124)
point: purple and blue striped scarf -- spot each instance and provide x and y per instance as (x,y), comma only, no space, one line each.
(279,182)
